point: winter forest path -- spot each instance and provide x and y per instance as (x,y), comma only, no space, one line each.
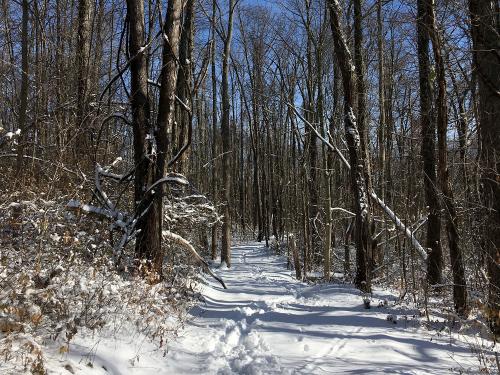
(267,322)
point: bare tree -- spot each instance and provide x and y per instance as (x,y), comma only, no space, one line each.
(151,144)
(214,123)
(147,239)
(185,87)
(486,43)
(450,213)
(226,139)
(84,39)
(435,259)
(24,84)
(358,186)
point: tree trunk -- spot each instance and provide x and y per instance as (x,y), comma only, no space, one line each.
(450,213)
(84,34)
(381,100)
(147,242)
(433,244)
(485,26)
(358,186)
(150,238)
(185,85)
(166,110)
(226,142)
(213,244)
(24,86)
(361,90)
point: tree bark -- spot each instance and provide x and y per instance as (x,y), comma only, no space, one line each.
(381,100)
(433,243)
(185,85)
(214,128)
(358,185)
(151,157)
(84,34)
(226,142)
(450,213)
(148,241)
(485,28)
(24,85)
(166,112)
(361,91)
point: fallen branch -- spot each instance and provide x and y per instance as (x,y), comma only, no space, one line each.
(187,245)
(413,227)
(342,210)
(323,139)
(399,224)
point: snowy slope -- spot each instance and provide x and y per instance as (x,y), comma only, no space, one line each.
(269,323)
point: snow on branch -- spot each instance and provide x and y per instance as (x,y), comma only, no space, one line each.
(187,245)
(192,210)
(87,208)
(342,210)
(399,224)
(170,178)
(323,139)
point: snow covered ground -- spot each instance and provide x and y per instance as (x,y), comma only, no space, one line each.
(266,322)
(269,323)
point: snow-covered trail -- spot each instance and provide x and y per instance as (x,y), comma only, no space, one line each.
(269,323)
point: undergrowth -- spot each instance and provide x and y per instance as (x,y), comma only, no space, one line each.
(57,279)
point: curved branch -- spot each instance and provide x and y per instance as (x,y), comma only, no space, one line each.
(187,245)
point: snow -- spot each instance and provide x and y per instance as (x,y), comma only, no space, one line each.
(12,134)
(267,322)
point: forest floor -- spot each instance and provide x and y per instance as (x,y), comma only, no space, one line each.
(267,322)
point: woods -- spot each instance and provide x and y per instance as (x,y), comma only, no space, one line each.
(359,139)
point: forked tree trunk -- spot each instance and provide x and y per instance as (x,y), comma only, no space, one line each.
(148,242)
(166,113)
